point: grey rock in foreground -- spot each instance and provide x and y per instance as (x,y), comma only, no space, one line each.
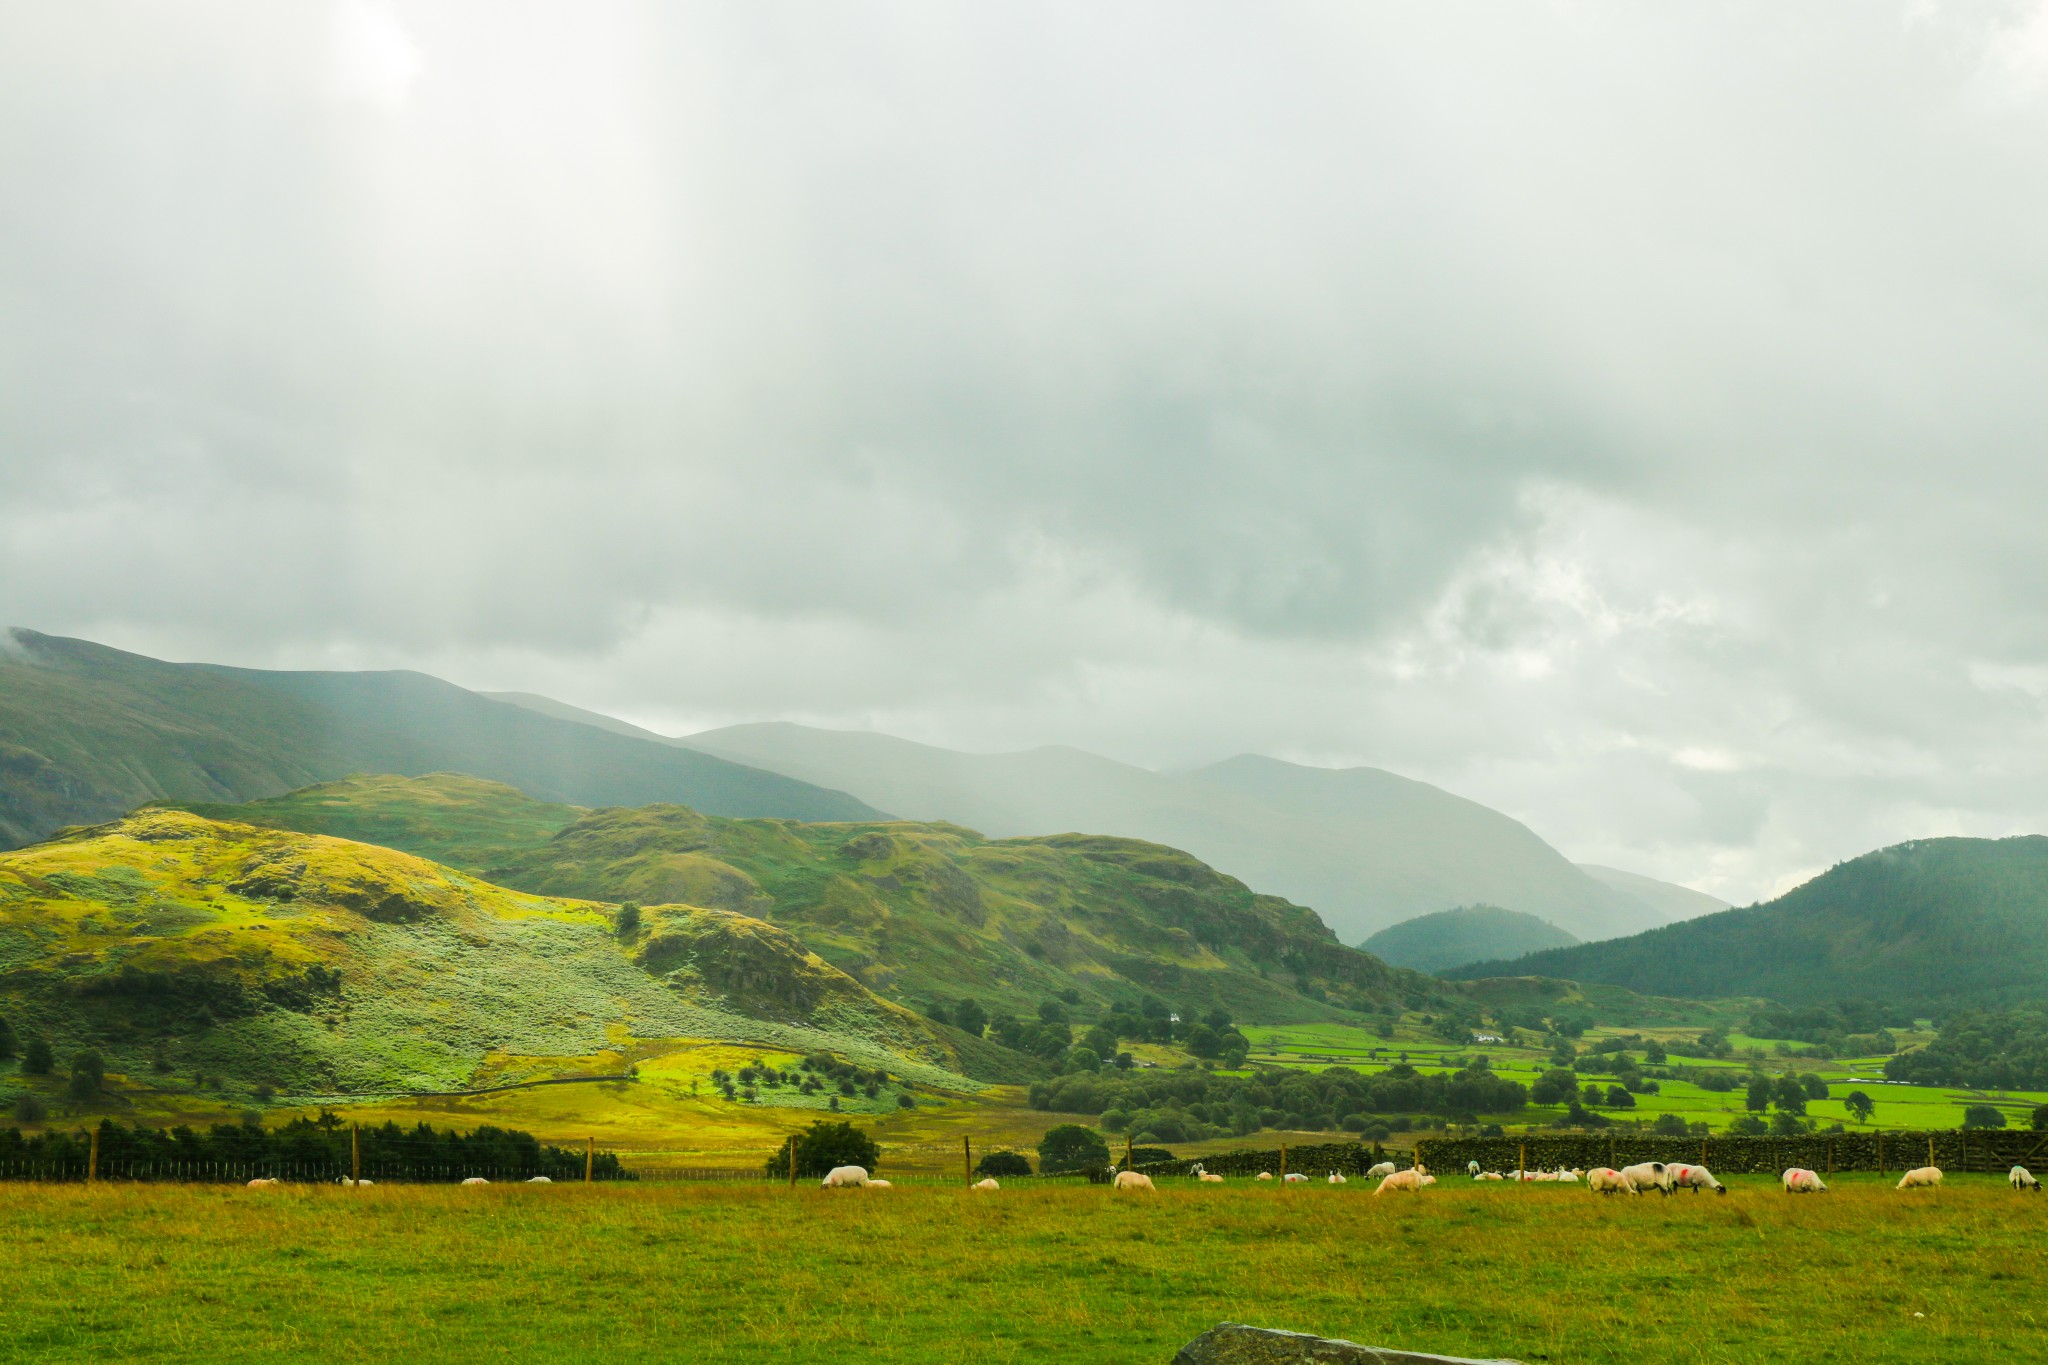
(1233,1343)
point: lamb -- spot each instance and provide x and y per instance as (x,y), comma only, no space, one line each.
(1695,1178)
(1384,1168)
(1405,1180)
(1799,1180)
(476,1180)
(987,1182)
(1918,1176)
(263,1182)
(346,1183)
(1649,1175)
(1607,1180)
(2023,1179)
(844,1178)
(1336,1178)
(1132,1180)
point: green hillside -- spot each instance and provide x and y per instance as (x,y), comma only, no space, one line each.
(921,913)
(1927,926)
(87,733)
(1367,848)
(1470,933)
(197,953)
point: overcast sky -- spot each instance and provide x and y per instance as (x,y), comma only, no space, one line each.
(1632,416)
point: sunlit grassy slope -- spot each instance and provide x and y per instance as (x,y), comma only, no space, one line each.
(183,947)
(918,912)
(926,1273)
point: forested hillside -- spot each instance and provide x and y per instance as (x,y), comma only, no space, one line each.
(1470,933)
(925,914)
(1933,926)
(88,733)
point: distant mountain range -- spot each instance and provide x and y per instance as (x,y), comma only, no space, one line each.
(88,733)
(1365,847)
(1931,925)
(1470,933)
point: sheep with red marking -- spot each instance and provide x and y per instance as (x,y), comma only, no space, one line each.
(1695,1178)
(1607,1180)
(1799,1180)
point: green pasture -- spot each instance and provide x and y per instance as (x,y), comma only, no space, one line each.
(929,1272)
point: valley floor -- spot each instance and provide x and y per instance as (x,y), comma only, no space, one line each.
(928,1272)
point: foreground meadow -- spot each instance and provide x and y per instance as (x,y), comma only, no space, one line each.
(929,1272)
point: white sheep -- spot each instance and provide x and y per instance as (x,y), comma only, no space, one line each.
(1384,1168)
(1336,1178)
(476,1180)
(878,1184)
(1265,1175)
(1489,1175)
(1918,1176)
(1132,1180)
(1607,1180)
(1568,1177)
(987,1182)
(1200,1172)
(346,1183)
(2023,1179)
(263,1182)
(1649,1175)
(539,1180)
(1472,1169)
(1294,1178)
(1410,1180)
(1799,1180)
(1695,1178)
(844,1178)
(1544,1175)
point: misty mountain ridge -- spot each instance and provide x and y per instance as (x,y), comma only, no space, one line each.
(1470,933)
(87,733)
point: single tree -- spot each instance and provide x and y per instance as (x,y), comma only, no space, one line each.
(1053,1012)
(1761,1092)
(1654,1054)
(29,1109)
(38,1059)
(1859,1105)
(822,1146)
(1982,1116)
(2039,1121)
(970,1017)
(626,921)
(1069,1147)
(1203,1042)
(88,1073)
(1618,1097)
(1554,1087)
(1814,1086)
(1003,1163)
(1669,1125)
(1083,1061)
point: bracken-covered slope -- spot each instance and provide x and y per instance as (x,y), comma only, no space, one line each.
(185,946)
(1452,938)
(921,913)
(88,733)
(1930,925)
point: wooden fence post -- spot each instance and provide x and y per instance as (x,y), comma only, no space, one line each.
(1831,1156)
(590,1158)
(92,1162)
(1880,1151)
(355,1155)
(1283,1163)
(967,1158)
(1522,1161)
(1930,1149)
(792,1160)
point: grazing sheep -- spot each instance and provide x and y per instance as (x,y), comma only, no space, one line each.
(1695,1178)
(1568,1177)
(1543,1175)
(2023,1179)
(263,1182)
(1649,1175)
(539,1180)
(1384,1168)
(1918,1176)
(1410,1180)
(1294,1178)
(844,1178)
(876,1184)
(987,1182)
(1489,1175)
(1607,1180)
(1265,1175)
(1472,1169)
(346,1183)
(1799,1180)
(476,1180)
(1132,1180)
(1336,1178)
(1427,1178)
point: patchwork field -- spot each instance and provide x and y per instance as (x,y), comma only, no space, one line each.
(930,1273)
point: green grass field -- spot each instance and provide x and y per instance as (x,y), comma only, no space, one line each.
(932,1273)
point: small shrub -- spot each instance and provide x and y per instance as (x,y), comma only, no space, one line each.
(30,1109)
(1003,1163)
(1982,1116)
(38,1059)
(626,919)
(88,1074)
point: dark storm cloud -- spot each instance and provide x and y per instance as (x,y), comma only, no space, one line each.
(1626,415)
